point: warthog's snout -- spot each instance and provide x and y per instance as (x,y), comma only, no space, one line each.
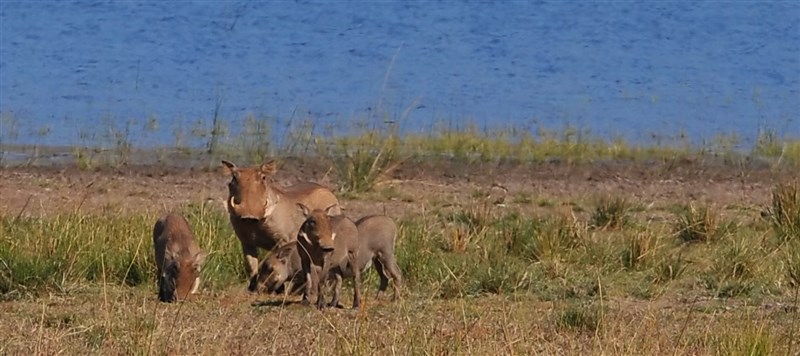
(250,219)
(274,285)
(327,244)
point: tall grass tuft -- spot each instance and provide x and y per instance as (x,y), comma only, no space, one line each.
(696,224)
(364,160)
(785,211)
(611,213)
(542,239)
(738,258)
(752,340)
(793,263)
(670,267)
(416,252)
(10,129)
(640,248)
(734,267)
(768,143)
(465,227)
(255,138)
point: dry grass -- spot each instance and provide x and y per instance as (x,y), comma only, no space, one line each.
(117,320)
(696,224)
(553,287)
(785,211)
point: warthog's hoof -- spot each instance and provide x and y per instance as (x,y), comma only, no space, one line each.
(335,305)
(252,287)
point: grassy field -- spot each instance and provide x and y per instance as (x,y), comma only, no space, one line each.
(599,247)
(592,279)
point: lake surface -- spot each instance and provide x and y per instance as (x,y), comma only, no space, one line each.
(631,69)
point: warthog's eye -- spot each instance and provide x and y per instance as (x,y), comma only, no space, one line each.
(263,177)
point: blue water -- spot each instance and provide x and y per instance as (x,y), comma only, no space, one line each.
(616,68)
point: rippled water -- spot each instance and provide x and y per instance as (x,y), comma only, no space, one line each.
(616,68)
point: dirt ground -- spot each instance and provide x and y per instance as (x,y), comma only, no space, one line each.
(406,191)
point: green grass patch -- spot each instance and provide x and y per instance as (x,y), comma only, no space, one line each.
(63,252)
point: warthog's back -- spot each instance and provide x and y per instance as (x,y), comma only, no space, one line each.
(286,219)
(312,195)
(377,233)
(178,258)
(173,231)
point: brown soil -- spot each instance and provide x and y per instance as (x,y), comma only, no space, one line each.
(409,190)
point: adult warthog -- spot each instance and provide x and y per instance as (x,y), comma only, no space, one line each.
(178,258)
(263,214)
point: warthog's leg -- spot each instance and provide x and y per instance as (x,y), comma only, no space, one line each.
(310,272)
(384,279)
(337,290)
(319,280)
(356,282)
(390,265)
(251,259)
(252,286)
(165,294)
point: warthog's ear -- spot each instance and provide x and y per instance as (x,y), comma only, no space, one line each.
(303,209)
(333,210)
(228,167)
(286,251)
(199,259)
(268,167)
